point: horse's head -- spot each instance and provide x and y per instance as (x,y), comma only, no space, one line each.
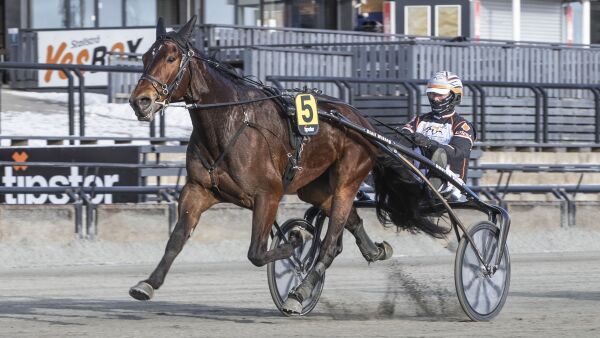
(165,74)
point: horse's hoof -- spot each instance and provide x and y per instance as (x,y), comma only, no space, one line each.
(385,251)
(292,307)
(299,232)
(142,291)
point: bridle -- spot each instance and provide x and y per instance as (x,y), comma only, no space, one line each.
(166,89)
(187,52)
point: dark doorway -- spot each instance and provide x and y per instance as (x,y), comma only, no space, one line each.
(317,14)
(595,23)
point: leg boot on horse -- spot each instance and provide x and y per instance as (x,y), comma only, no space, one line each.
(371,251)
(318,194)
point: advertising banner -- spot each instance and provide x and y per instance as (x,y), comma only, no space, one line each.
(73,176)
(88,47)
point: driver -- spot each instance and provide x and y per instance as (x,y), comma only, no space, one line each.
(442,134)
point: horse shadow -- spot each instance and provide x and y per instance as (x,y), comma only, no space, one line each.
(73,311)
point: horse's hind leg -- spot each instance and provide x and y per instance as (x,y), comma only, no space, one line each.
(318,193)
(263,216)
(371,251)
(340,209)
(194,200)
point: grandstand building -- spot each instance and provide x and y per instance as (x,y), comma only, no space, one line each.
(554,21)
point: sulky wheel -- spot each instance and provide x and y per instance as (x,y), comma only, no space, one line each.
(285,274)
(480,294)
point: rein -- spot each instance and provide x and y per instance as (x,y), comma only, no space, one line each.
(227,104)
(167,89)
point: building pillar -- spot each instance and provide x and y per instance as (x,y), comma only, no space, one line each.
(516,9)
(476,17)
(345,15)
(586,24)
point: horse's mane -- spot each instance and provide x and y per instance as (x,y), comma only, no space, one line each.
(228,70)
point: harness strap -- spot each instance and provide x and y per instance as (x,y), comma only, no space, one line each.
(211,168)
(292,167)
(227,104)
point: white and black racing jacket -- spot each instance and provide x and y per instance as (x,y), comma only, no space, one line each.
(452,132)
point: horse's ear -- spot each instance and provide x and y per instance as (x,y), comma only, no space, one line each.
(186,31)
(160,29)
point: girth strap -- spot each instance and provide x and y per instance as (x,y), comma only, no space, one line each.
(293,162)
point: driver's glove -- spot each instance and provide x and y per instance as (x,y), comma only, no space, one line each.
(425,142)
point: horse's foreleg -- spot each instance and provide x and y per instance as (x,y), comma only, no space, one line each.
(263,216)
(194,200)
(371,251)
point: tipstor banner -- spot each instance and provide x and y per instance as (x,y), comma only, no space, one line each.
(87,47)
(19,175)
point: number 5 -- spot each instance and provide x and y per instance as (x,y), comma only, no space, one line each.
(307,110)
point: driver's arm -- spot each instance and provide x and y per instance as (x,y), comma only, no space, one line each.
(458,149)
(407,132)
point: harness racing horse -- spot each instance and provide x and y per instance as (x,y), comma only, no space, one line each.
(238,153)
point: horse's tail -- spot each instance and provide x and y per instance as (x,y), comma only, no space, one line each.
(398,195)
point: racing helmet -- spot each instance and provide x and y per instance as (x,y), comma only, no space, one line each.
(444,82)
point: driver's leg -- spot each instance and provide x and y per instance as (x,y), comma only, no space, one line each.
(439,157)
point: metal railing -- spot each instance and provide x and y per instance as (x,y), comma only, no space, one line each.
(83,196)
(23,140)
(412,91)
(72,71)
(539,126)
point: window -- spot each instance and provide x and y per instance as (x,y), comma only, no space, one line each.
(169,11)
(82,13)
(274,14)
(219,12)
(308,14)
(416,20)
(48,14)
(94,13)
(140,12)
(447,21)
(110,13)
(248,13)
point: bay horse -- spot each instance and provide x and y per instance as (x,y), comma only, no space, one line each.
(238,153)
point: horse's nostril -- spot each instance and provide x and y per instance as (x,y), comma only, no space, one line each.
(144,102)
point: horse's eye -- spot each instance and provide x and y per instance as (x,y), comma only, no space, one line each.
(171,59)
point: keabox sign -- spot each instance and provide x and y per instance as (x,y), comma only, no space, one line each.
(87,47)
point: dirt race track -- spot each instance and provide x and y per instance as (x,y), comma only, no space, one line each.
(551,295)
